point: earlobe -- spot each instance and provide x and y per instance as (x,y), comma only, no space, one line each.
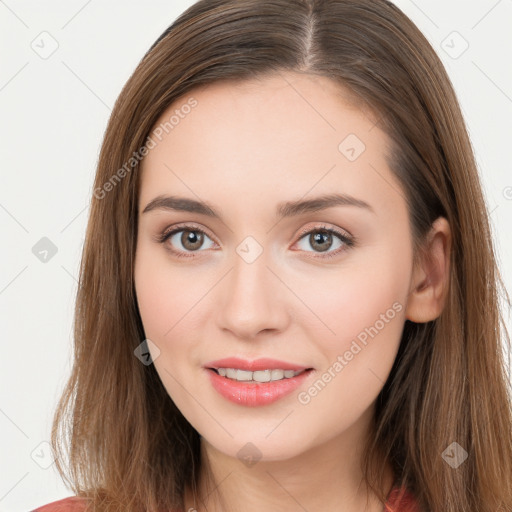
(431,276)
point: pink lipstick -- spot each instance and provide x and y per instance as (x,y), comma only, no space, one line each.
(255,383)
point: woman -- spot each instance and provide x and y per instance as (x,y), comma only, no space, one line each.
(222,361)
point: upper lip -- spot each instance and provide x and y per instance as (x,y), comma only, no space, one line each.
(258,364)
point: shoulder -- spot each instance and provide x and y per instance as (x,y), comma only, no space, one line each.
(71,504)
(401,500)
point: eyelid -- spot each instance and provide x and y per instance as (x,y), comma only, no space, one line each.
(327,227)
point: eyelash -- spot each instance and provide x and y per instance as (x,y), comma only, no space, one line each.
(348,241)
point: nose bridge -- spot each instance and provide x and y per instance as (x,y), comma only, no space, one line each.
(252,296)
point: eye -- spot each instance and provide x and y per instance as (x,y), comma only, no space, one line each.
(186,238)
(323,238)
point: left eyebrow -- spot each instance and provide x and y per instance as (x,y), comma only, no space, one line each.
(294,208)
(285,209)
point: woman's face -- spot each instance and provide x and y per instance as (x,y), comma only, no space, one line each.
(260,279)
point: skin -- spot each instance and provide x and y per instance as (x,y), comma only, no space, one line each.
(245,148)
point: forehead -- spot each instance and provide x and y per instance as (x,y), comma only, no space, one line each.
(284,134)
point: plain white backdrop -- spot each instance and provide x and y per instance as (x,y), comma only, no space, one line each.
(63,65)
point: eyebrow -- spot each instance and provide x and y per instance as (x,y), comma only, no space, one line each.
(285,209)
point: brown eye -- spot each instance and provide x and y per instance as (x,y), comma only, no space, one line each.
(191,240)
(321,240)
(182,241)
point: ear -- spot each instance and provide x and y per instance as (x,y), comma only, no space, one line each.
(430,277)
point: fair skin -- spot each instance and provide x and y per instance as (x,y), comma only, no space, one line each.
(244,149)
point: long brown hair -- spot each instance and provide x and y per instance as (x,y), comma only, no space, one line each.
(129,447)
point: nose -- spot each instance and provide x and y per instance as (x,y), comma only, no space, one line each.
(253,299)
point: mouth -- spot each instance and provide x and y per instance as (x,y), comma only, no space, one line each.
(256,383)
(259,387)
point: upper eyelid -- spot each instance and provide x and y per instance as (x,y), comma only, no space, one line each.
(184,227)
(329,227)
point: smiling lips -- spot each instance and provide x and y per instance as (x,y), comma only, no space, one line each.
(255,383)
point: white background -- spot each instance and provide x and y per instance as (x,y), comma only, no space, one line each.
(53,114)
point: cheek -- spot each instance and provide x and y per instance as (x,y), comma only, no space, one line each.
(366,315)
(362,308)
(165,298)
(355,295)
(165,293)
(154,299)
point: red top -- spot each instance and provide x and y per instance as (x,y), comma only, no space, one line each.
(71,504)
(407,501)
(75,504)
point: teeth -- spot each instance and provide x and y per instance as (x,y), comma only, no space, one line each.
(278,374)
(257,376)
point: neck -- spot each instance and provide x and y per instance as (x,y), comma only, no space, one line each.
(327,477)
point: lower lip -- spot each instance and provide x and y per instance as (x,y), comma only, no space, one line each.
(255,394)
